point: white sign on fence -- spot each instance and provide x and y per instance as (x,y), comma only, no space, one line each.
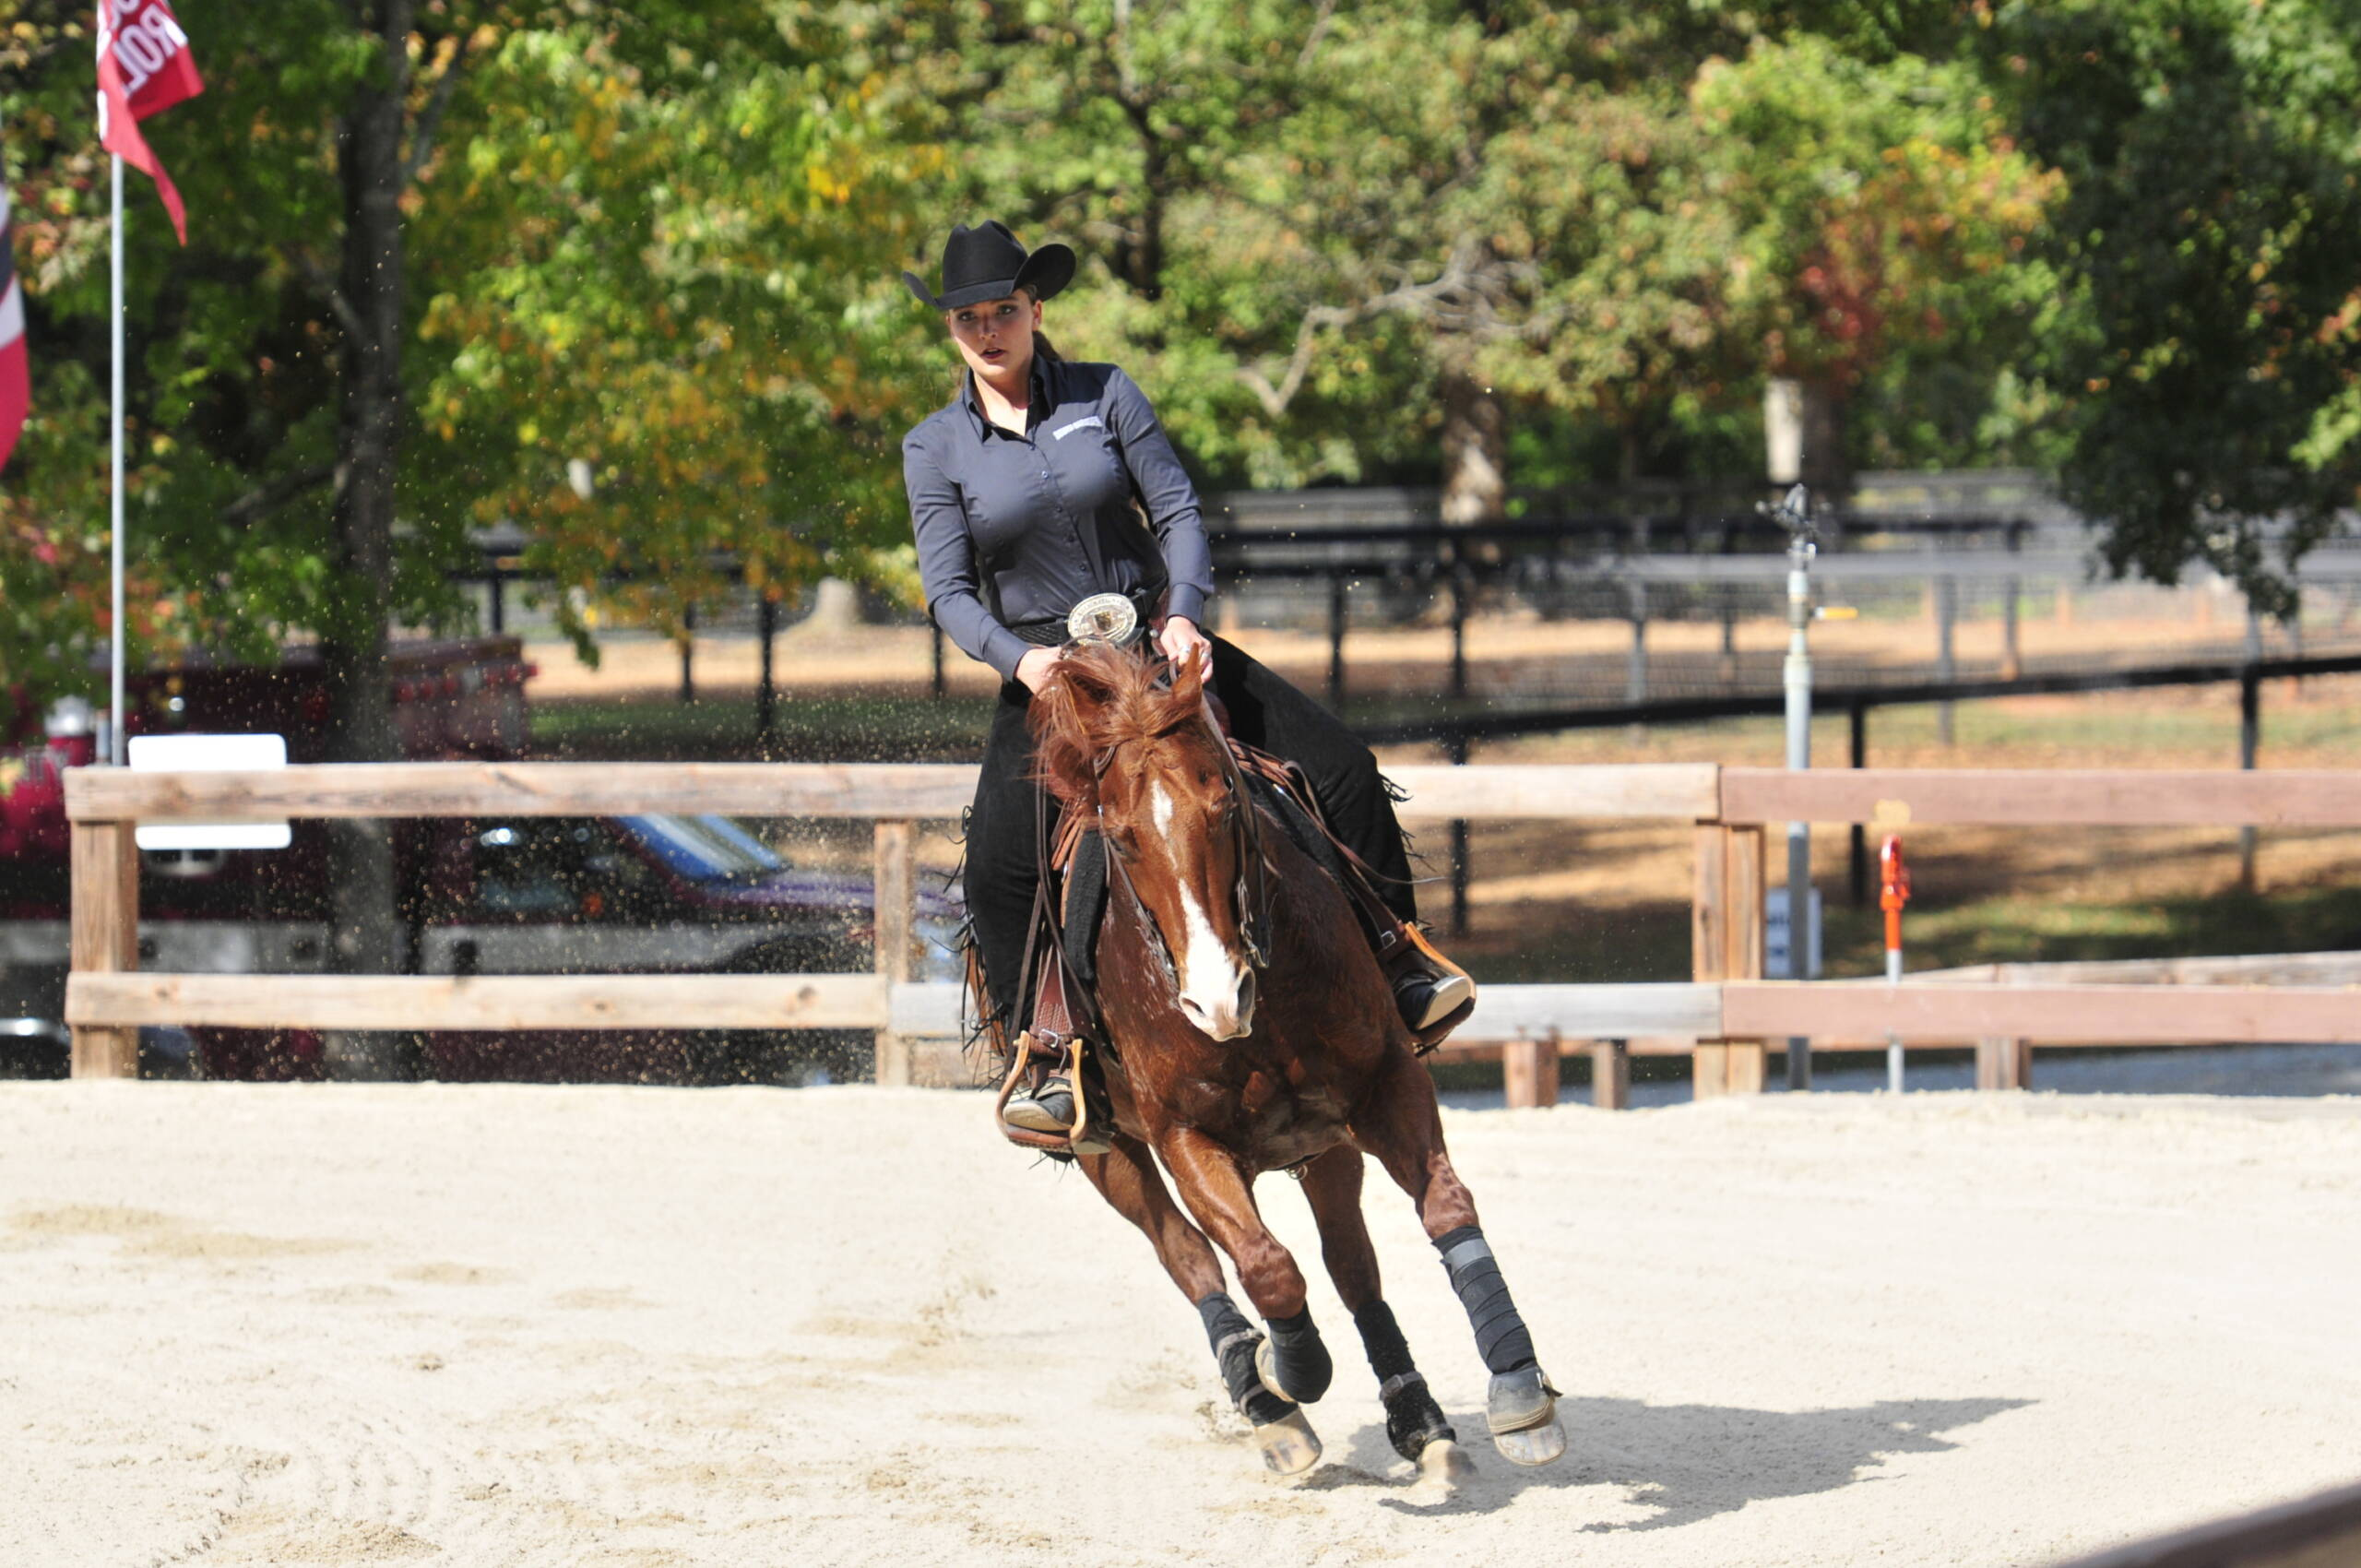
(209,753)
(1775,935)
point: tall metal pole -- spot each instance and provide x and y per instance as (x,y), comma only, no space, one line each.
(1797,676)
(116,718)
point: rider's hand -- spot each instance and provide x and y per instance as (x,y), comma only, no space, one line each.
(1183,644)
(1036,668)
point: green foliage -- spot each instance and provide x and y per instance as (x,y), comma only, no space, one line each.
(1619,217)
(666,263)
(2214,203)
(658,241)
(648,237)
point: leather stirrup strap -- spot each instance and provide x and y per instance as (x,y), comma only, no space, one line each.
(1387,932)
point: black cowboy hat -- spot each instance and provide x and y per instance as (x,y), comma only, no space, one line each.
(986,263)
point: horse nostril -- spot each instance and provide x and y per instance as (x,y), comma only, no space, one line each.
(1246,996)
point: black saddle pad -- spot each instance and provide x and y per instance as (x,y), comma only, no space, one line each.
(1085,902)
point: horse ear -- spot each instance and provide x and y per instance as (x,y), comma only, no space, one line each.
(1188,683)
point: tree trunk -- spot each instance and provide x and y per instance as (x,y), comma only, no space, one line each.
(1474,452)
(364,926)
(1827,469)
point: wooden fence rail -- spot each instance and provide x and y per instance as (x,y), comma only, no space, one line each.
(1723,1018)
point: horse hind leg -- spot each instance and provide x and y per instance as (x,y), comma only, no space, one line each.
(1127,1178)
(1520,1407)
(1414,1424)
(1405,1133)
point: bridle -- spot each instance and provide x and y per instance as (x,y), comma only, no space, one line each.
(1249,894)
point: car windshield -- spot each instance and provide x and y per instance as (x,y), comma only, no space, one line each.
(706,848)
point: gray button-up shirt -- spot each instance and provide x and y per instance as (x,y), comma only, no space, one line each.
(1014,530)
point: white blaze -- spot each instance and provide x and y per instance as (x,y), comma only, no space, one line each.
(1208,976)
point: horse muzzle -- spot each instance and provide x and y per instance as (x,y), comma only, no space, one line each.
(1224,1017)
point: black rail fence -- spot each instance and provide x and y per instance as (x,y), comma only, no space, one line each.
(1632,569)
(1640,571)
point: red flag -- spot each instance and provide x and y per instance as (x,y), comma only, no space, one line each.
(15,384)
(144,68)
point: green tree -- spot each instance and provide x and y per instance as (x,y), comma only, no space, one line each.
(1894,216)
(439,249)
(2213,203)
(1348,238)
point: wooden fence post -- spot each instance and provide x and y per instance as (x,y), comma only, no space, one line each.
(1529,1071)
(2003,1062)
(1725,943)
(1610,1074)
(896,911)
(105,895)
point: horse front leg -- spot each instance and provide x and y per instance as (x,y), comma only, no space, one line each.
(1403,1128)
(1414,1424)
(1293,1363)
(1127,1178)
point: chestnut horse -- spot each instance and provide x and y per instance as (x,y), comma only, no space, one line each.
(1249,1030)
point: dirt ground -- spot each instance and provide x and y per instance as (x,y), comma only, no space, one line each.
(349,1325)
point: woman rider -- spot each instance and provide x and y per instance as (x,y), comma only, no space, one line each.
(1022,495)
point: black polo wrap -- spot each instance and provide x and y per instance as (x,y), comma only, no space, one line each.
(1234,1339)
(1500,1336)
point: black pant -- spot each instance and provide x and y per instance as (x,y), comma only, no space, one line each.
(1264,712)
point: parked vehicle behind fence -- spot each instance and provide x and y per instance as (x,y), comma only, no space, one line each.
(652,893)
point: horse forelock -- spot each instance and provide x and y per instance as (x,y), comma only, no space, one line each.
(1103,699)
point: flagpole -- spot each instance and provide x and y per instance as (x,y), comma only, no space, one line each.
(116,718)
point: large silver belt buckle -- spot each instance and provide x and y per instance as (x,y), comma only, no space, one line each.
(1103,618)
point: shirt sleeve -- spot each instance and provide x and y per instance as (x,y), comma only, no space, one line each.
(947,564)
(1164,489)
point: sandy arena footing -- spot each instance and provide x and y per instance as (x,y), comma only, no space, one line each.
(590,1325)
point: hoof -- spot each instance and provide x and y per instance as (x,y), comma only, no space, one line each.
(1446,1462)
(1522,1409)
(1534,1445)
(1289,1445)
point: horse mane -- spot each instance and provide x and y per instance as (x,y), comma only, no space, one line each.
(1100,697)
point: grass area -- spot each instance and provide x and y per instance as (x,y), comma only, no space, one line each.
(2016,929)
(843,729)
(2188,726)
(2195,727)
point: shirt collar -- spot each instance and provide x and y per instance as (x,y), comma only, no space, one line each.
(1035,410)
